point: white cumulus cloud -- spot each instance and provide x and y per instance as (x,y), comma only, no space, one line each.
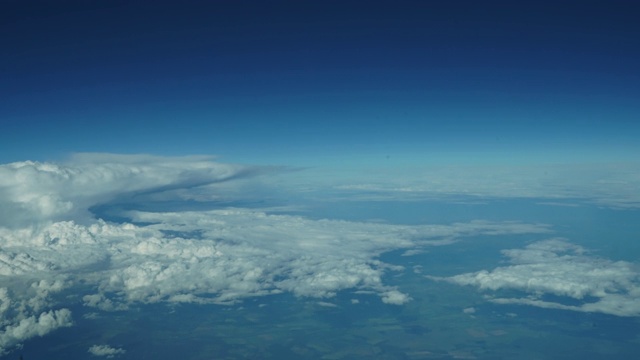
(395,297)
(558,267)
(35,325)
(105,350)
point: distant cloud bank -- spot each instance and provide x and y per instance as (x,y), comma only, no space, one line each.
(614,185)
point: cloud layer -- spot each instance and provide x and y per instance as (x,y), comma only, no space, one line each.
(53,247)
(558,267)
(32,192)
(615,185)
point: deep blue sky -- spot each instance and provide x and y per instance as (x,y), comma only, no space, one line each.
(288,82)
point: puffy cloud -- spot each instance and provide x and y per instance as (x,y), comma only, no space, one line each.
(25,309)
(275,253)
(394,297)
(219,256)
(105,350)
(29,327)
(32,191)
(558,267)
(51,248)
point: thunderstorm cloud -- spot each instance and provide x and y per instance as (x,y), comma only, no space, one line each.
(52,240)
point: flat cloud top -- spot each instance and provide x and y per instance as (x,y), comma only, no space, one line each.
(37,192)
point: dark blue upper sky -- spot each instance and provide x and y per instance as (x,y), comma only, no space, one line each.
(281,81)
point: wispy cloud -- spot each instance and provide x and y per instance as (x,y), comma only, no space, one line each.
(615,185)
(105,350)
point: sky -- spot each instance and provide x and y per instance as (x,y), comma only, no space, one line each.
(427,173)
(297,82)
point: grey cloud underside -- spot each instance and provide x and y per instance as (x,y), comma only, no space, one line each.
(55,249)
(558,267)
